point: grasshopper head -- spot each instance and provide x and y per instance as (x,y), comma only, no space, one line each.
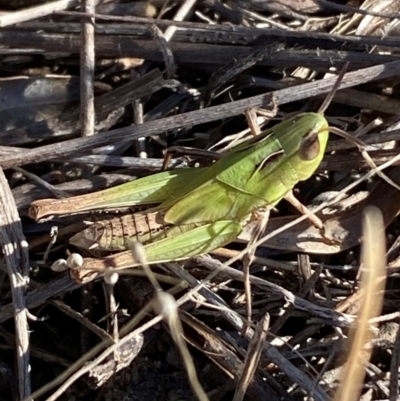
(308,142)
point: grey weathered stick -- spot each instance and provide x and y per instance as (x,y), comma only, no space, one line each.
(394,369)
(284,96)
(117,46)
(87,69)
(217,34)
(15,251)
(239,34)
(28,14)
(105,105)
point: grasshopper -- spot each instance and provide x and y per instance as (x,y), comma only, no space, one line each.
(200,209)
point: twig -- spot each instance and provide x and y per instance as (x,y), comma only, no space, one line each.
(87,69)
(283,96)
(15,250)
(36,12)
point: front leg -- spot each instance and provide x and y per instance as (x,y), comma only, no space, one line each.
(314,219)
(261,216)
(252,120)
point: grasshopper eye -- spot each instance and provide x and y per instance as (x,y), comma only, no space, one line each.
(309,147)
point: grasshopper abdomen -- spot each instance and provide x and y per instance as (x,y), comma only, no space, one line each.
(119,233)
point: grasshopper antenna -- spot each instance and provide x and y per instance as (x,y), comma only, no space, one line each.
(334,89)
(361,145)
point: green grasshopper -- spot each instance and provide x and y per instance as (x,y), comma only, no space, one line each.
(200,209)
